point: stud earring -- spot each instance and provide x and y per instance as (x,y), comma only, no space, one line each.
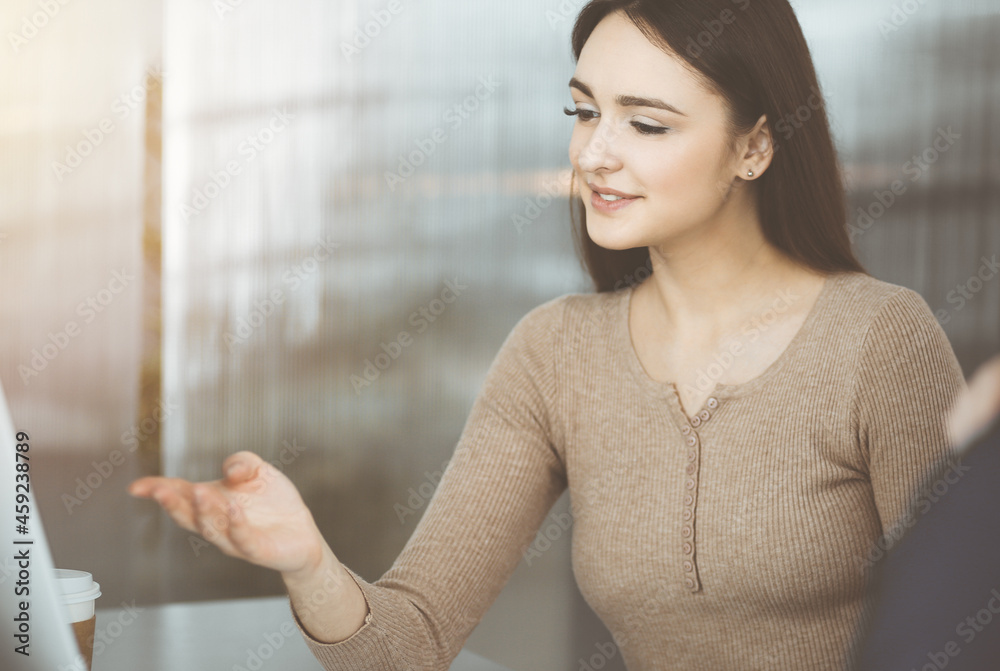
(750,173)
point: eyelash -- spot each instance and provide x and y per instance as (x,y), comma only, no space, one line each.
(644,129)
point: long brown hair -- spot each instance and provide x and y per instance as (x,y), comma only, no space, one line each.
(754,55)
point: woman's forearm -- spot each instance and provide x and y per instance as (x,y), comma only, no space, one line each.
(327,601)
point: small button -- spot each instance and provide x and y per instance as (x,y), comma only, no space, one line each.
(688,500)
(688,566)
(692,455)
(713,403)
(688,514)
(689,484)
(696,421)
(686,532)
(690,583)
(686,430)
(688,548)
(704,415)
(692,441)
(690,469)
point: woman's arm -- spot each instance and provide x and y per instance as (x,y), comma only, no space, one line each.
(907,380)
(329,604)
(504,476)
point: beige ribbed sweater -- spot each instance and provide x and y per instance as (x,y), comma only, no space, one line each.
(737,539)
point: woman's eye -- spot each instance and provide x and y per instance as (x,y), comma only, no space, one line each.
(589,115)
(649,130)
(583,115)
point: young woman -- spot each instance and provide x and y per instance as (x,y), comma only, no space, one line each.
(740,412)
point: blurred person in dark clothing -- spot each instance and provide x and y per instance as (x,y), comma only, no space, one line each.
(939,588)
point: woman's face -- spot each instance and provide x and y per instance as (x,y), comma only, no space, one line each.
(647,128)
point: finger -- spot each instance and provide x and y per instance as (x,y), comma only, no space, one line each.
(178,502)
(240,467)
(143,487)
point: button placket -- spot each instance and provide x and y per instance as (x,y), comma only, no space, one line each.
(689,562)
(689,565)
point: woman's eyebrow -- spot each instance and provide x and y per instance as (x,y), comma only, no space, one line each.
(628,101)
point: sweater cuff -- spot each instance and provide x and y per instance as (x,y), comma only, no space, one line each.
(364,650)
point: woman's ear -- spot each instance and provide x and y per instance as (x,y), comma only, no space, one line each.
(759,148)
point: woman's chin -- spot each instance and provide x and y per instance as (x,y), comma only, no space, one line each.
(611,235)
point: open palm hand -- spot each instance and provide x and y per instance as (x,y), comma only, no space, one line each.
(253,513)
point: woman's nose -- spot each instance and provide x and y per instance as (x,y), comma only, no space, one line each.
(599,151)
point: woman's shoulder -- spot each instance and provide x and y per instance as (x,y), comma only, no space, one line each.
(573,311)
(867,300)
(548,337)
(867,290)
(888,323)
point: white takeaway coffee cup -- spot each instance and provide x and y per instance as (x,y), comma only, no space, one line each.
(79,593)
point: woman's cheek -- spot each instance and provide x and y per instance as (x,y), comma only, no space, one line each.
(665,175)
(577,143)
(688,173)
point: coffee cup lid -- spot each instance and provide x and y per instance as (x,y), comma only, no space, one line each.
(77,586)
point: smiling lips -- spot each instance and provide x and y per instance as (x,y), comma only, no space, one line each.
(609,200)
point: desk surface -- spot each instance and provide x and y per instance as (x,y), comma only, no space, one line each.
(235,635)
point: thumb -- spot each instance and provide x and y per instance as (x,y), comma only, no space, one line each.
(240,467)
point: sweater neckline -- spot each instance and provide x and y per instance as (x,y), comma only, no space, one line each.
(668,390)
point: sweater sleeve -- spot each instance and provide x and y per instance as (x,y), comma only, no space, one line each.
(907,380)
(503,478)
